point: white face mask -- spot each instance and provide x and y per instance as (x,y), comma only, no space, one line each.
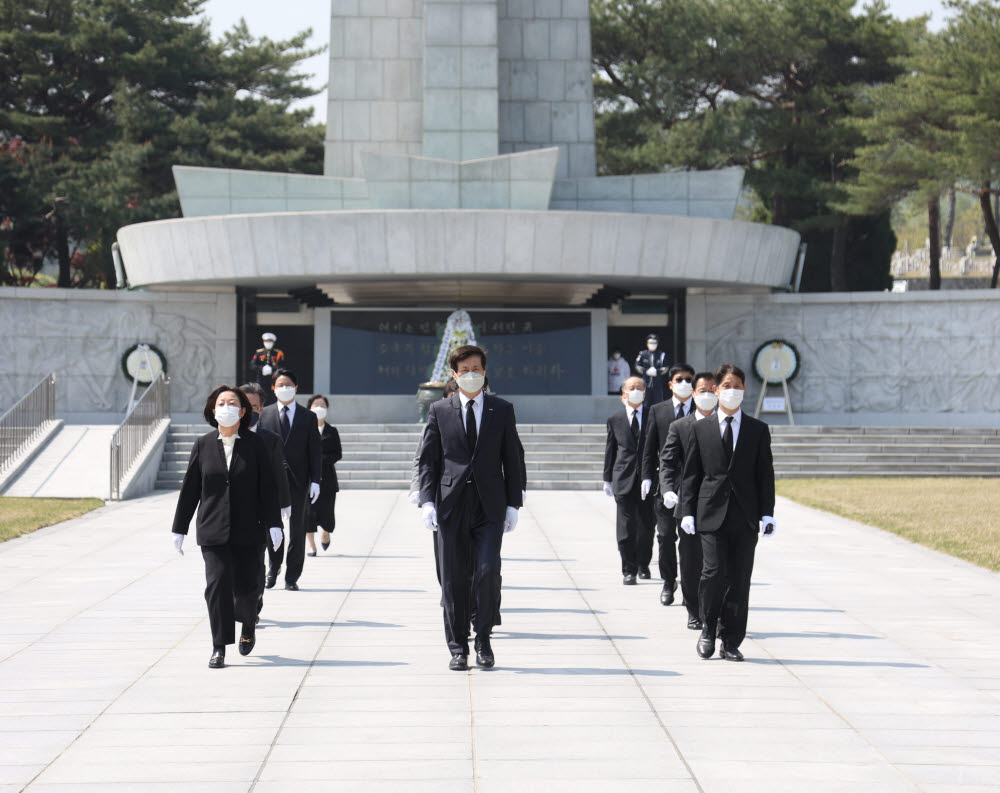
(731,398)
(227,415)
(268,345)
(652,346)
(682,390)
(320,412)
(706,401)
(636,397)
(285,393)
(617,356)
(471,382)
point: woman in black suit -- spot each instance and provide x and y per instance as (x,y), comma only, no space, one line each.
(321,513)
(229,482)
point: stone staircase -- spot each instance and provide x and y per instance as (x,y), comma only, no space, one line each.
(570,456)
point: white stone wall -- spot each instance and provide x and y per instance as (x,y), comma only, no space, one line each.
(375,89)
(81,335)
(867,357)
(546,92)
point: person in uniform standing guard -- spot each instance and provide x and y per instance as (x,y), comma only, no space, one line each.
(265,362)
(652,365)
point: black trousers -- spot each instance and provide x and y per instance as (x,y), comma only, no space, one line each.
(469,561)
(296,554)
(727,565)
(232,574)
(674,544)
(634,531)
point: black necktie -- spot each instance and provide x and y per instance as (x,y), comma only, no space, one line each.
(470,425)
(727,440)
(635,424)
(680,411)
(285,426)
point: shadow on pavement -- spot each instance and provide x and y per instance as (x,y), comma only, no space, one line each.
(588,670)
(822,662)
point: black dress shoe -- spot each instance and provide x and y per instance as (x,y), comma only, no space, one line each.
(629,579)
(458,662)
(644,573)
(706,644)
(291,586)
(248,638)
(694,624)
(484,653)
(327,543)
(271,578)
(310,553)
(218,659)
(667,595)
(730,653)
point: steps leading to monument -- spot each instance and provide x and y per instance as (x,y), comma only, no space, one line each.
(570,456)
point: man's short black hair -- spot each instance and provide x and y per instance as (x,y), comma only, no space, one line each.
(209,412)
(286,373)
(680,367)
(699,376)
(729,368)
(459,354)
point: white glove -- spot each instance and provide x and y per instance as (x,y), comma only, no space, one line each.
(265,369)
(607,490)
(286,513)
(277,537)
(524,497)
(644,488)
(179,543)
(511,521)
(670,499)
(687,524)
(313,492)
(430,516)
(768,521)
(414,498)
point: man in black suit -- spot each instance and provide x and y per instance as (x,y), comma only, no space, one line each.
(671,464)
(470,491)
(299,433)
(729,485)
(661,416)
(255,396)
(622,475)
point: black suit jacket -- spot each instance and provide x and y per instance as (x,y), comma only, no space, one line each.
(495,464)
(710,485)
(661,416)
(279,465)
(331,452)
(679,440)
(623,453)
(302,446)
(235,505)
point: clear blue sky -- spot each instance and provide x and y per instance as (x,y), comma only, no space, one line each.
(284,19)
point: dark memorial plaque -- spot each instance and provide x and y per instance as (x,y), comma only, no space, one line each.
(392,352)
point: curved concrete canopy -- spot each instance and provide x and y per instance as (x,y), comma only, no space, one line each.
(290,249)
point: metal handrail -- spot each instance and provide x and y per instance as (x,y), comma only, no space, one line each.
(23,423)
(140,423)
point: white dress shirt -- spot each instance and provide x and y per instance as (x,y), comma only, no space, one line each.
(698,415)
(291,412)
(737,418)
(477,408)
(630,411)
(227,447)
(687,405)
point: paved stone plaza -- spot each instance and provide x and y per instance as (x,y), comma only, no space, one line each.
(871,666)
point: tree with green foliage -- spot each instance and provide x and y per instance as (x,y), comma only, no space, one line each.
(769,85)
(99,98)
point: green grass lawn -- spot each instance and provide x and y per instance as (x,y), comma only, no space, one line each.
(959,516)
(23,515)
